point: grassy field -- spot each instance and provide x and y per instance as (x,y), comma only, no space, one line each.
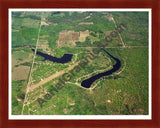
(125,92)
(24,29)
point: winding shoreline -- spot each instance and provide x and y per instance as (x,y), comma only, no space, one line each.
(88,82)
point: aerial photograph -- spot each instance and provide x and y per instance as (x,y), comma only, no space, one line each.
(79,62)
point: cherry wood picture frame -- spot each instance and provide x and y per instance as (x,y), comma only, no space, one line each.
(4,63)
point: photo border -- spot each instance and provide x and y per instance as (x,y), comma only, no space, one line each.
(76,117)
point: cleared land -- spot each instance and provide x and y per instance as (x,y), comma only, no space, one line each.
(68,37)
(83,35)
(52,77)
(20,73)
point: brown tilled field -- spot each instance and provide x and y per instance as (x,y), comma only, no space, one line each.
(68,37)
(20,73)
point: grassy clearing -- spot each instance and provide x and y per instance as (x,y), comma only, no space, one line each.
(31,23)
(20,55)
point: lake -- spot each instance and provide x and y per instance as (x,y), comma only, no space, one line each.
(64,59)
(88,82)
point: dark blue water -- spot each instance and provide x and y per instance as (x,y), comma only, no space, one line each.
(64,59)
(88,82)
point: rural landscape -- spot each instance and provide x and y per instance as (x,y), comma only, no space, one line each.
(80,63)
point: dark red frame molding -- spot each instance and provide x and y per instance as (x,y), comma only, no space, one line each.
(6,4)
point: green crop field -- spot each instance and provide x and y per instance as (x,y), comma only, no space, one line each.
(96,41)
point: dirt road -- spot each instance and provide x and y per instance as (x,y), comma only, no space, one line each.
(52,77)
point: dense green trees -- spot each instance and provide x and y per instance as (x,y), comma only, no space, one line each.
(136,32)
(16,14)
